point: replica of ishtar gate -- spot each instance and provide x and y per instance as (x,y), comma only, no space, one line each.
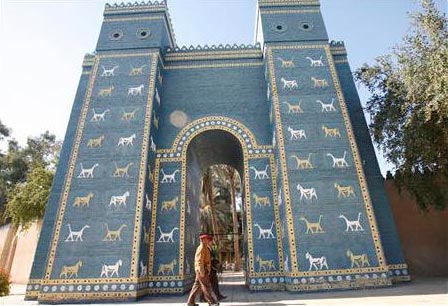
(150,117)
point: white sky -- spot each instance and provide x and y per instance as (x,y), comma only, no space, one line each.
(42,44)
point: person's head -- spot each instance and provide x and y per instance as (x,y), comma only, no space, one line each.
(206,238)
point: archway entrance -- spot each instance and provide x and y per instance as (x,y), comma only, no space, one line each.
(215,193)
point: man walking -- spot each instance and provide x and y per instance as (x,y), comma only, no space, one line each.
(202,268)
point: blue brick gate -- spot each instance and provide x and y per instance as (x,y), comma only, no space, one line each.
(148,119)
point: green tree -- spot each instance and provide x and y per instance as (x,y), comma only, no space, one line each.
(408,107)
(17,162)
(4,131)
(27,201)
(218,209)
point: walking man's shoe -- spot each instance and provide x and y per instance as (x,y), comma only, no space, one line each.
(221,297)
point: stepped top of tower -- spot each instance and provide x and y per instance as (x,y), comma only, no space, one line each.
(268,3)
(135,5)
(154,6)
(220,47)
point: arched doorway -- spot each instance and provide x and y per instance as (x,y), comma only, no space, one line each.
(215,161)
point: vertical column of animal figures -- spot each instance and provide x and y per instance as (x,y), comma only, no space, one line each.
(148,212)
(166,237)
(265,259)
(274,119)
(329,212)
(96,235)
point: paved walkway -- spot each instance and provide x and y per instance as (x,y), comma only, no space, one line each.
(420,292)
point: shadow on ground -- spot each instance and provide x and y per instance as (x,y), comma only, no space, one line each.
(232,285)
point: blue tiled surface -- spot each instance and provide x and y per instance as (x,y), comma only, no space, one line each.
(314,152)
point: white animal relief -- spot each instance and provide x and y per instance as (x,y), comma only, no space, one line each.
(353,225)
(289,84)
(111,270)
(265,233)
(260,174)
(148,202)
(307,193)
(157,96)
(339,162)
(317,263)
(126,141)
(136,91)
(327,107)
(168,236)
(87,172)
(153,145)
(143,269)
(286,263)
(109,72)
(169,178)
(314,62)
(97,117)
(159,77)
(296,134)
(119,200)
(75,235)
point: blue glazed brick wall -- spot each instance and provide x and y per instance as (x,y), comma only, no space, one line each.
(305,24)
(309,164)
(40,257)
(213,92)
(389,235)
(278,114)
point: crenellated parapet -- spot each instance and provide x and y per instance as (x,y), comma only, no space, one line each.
(137,26)
(273,3)
(197,48)
(118,7)
(337,48)
(89,60)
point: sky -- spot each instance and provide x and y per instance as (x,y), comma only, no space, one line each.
(43,42)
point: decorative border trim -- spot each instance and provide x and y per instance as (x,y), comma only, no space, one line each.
(203,66)
(290,11)
(382,267)
(67,184)
(213,55)
(124,19)
(341,61)
(263,3)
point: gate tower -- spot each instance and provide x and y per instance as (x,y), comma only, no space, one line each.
(149,117)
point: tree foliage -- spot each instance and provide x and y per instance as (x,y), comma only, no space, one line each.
(27,201)
(16,166)
(409,107)
(4,131)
